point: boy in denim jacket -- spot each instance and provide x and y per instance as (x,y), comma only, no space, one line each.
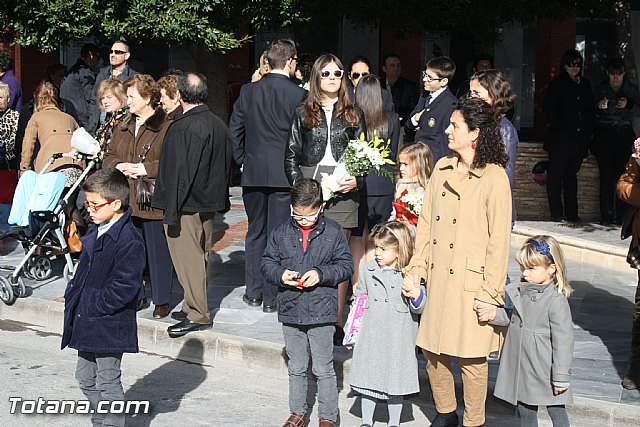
(306,257)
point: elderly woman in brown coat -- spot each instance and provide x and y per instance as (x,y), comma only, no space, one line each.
(628,189)
(462,250)
(135,149)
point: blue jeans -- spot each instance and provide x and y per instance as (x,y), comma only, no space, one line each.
(98,375)
(317,340)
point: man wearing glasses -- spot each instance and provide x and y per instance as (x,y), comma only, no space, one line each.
(119,55)
(432,113)
(259,126)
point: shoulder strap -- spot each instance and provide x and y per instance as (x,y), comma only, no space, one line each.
(146,147)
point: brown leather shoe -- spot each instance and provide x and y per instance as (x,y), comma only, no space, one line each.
(161,311)
(296,420)
(326,423)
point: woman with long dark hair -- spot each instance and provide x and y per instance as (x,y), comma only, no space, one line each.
(320,132)
(462,251)
(570,108)
(376,197)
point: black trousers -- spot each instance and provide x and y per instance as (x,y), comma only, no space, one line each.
(612,148)
(163,275)
(266,207)
(563,176)
(634,354)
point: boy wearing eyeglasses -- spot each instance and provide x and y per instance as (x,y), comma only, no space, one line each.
(100,300)
(432,113)
(306,257)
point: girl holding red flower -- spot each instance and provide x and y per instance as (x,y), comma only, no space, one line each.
(415,164)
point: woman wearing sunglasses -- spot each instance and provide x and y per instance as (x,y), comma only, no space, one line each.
(359,67)
(570,108)
(320,131)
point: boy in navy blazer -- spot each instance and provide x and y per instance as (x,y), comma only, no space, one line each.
(100,301)
(432,114)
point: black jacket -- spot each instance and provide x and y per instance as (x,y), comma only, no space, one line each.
(307,146)
(612,116)
(259,126)
(433,123)
(405,95)
(194,165)
(570,109)
(327,252)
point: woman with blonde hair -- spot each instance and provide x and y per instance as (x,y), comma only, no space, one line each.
(52,129)
(113,101)
(135,150)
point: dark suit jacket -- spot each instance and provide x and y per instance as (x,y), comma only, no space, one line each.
(405,95)
(433,122)
(259,127)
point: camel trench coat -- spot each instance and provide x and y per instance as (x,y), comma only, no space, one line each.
(462,250)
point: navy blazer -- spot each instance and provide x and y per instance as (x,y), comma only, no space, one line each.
(433,123)
(259,126)
(100,301)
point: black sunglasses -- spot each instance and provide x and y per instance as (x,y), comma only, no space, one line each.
(356,76)
(117,52)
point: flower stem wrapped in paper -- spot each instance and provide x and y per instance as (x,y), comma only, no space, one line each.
(359,158)
(408,205)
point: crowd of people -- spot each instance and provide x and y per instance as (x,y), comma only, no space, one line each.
(428,245)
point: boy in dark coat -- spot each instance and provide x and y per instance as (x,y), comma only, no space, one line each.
(306,257)
(100,301)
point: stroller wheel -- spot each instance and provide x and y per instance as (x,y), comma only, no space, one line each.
(68,275)
(41,268)
(20,288)
(6,292)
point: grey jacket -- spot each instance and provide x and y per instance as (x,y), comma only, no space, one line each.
(538,350)
(384,357)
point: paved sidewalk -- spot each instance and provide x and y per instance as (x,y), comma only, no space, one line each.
(602,305)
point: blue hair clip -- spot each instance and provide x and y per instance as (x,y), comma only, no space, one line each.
(542,248)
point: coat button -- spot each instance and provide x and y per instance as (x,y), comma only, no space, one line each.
(451,246)
(443,193)
(78,315)
(375,299)
(437,217)
(432,266)
(534,298)
(454,220)
(386,300)
(451,271)
(434,241)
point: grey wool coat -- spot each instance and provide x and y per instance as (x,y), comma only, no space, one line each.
(538,350)
(384,357)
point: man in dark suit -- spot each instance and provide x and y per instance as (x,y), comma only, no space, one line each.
(259,126)
(432,113)
(403,91)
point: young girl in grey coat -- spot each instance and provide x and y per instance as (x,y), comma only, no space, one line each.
(384,363)
(535,366)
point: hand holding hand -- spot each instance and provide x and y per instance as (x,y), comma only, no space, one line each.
(127,169)
(347,184)
(486,312)
(411,290)
(622,103)
(310,278)
(73,154)
(137,170)
(559,390)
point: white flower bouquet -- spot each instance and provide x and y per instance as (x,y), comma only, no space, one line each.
(636,150)
(359,158)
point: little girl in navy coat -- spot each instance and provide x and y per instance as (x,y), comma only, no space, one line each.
(384,363)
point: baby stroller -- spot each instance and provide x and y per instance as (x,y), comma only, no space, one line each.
(40,230)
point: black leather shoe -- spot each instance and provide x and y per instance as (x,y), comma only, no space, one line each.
(179,315)
(186,326)
(253,302)
(446,420)
(269,308)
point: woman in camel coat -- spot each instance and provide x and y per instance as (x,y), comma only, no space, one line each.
(462,251)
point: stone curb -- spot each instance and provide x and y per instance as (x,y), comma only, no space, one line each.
(209,348)
(575,248)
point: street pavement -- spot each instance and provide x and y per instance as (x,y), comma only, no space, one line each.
(248,339)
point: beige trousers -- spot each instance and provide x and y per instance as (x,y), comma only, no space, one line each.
(189,243)
(475,376)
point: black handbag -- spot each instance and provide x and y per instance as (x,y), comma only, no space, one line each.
(145,186)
